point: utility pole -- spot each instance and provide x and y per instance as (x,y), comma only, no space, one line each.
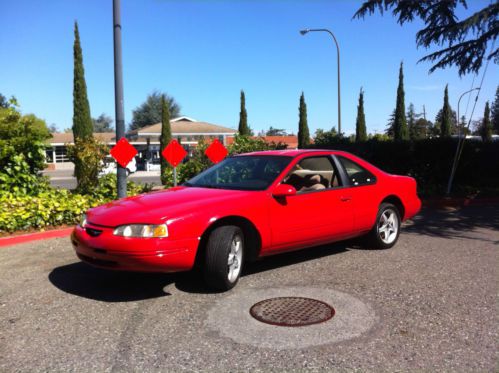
(118,92)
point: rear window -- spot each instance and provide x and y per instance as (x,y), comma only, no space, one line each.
(357,175)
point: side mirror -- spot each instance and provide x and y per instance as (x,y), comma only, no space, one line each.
(284,190)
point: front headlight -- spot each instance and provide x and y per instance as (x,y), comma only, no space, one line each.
(142,230)
(83,220)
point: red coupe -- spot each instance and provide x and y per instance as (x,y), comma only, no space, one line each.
(247,207)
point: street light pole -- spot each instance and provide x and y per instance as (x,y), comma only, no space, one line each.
(118,92)
(303,32)
(458,151)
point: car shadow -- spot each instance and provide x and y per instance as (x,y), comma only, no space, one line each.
(195,283)
(85,281)
(455,223)
(109,286)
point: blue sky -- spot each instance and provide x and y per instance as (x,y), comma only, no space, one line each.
(204,52)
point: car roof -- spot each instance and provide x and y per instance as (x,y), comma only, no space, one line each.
(289,152)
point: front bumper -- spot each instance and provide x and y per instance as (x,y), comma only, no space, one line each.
(99,247)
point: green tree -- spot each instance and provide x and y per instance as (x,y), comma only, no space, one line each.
(400,122)
(243,128)
(103,123)
(463,126)
(486,127)
(165,138)
(22,135)
(411,122)
(150,111)
(82,121)
(495,112)
(331,138)
(446,119)
(303,132)
(360,124)
(465,40)
(4,103)
(389,131)
(276,132)
(421,127)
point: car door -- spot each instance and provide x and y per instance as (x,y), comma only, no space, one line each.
(362,190)
(318,213)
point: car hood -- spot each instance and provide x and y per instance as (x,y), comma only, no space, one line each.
(157,207)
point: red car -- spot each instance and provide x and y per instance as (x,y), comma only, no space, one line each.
(247,207)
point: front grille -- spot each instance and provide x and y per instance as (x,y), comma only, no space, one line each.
(93,232)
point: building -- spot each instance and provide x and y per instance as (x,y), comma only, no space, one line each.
(186,130)
(291,141)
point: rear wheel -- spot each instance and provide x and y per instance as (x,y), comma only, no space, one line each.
(224,257)
(386,230)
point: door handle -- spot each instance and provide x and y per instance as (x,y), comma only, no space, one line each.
(345,198)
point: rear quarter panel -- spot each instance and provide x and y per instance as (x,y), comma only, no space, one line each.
(368,198)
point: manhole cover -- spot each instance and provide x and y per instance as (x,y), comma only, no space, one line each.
(291,311)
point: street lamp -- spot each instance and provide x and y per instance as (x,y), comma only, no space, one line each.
(458,149)
(303,32)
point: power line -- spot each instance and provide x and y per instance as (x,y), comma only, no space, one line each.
(460,142)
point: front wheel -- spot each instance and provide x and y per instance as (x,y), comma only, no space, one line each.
(224,257)
(386,230)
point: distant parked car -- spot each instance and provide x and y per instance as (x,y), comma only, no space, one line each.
(153,164)
(110,166)
(246,207)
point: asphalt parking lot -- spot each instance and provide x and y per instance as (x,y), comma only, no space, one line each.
(430,303)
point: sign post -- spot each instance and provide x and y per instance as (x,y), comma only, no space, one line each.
(174,153)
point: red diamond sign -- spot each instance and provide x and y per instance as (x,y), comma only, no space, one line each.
(216,151)
(123,152)
(174,153)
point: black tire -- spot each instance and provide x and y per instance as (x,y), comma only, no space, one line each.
(380,239)
(220,245)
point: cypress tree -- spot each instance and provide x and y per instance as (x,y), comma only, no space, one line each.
(303,132)
(446,118)
(486,127)
(400,123)
(82,121)
(165,138)
(243,118)
(360,124)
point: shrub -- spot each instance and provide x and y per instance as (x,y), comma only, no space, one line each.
(88,155)
(17,179)
(49,208)
(106,188)
(52,207)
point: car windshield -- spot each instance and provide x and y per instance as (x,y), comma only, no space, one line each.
(252,172)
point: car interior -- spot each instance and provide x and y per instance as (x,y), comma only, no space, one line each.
(312,174)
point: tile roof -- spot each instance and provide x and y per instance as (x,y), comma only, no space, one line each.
(184,126)
(67,137)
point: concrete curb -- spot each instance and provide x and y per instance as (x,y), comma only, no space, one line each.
(14,240)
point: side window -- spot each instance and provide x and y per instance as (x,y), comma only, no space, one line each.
(357,174)
(311,174)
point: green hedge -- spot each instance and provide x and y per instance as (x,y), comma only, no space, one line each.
(429,161)
(53,207)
